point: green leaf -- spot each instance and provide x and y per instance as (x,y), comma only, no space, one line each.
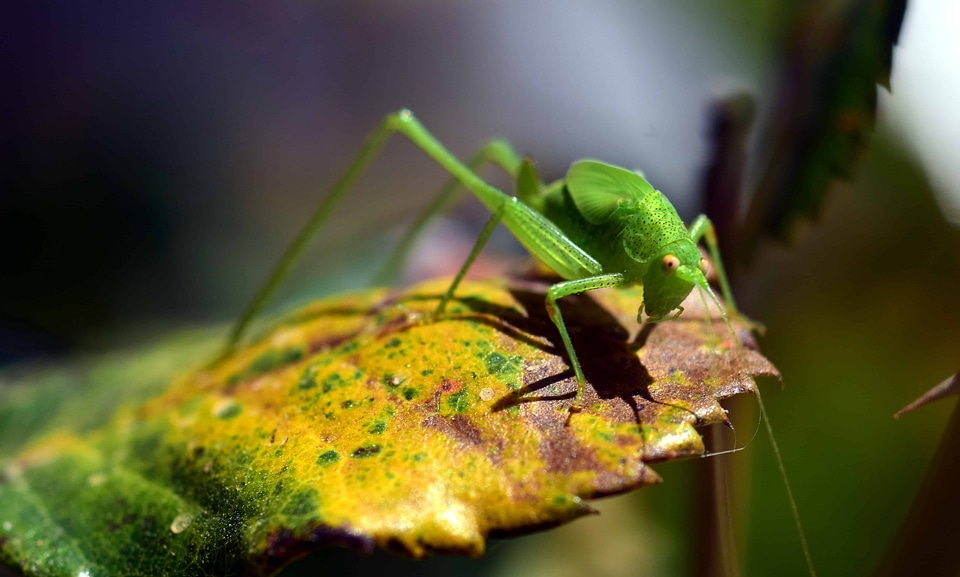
(359,421)
(825,107)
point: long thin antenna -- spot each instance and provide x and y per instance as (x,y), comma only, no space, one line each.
(773,440)
(786,484)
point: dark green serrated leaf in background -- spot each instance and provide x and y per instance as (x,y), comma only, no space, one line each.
(824,108)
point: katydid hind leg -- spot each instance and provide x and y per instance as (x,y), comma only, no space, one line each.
(403,122)
(542,238)
(371,147)
(488,229)
(498,152)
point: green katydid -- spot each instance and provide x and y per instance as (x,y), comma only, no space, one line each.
(601,227)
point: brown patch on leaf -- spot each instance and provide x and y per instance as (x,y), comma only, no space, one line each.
(449,386)
(456,427)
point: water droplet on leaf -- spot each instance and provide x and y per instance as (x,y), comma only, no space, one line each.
(181,523)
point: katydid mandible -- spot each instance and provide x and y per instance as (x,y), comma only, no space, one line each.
(601,227)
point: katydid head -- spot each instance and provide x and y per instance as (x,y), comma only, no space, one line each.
(670,279)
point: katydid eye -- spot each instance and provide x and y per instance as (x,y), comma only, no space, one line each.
(704,266)
(670,263)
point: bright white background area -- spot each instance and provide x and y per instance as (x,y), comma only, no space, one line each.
(925,105)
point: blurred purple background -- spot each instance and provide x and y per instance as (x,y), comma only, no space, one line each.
(156,159)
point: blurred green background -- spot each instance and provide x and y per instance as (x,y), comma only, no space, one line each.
(156,161)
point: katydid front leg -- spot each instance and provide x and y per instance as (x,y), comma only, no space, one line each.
(488,229)
(702,227)
(555,292)
(572,287)
(405,123)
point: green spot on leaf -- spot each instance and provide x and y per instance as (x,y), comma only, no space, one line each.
(328,458)
(606,436)
(499,364)
(459,402)
(332,382)
(309,378)
(227,409)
